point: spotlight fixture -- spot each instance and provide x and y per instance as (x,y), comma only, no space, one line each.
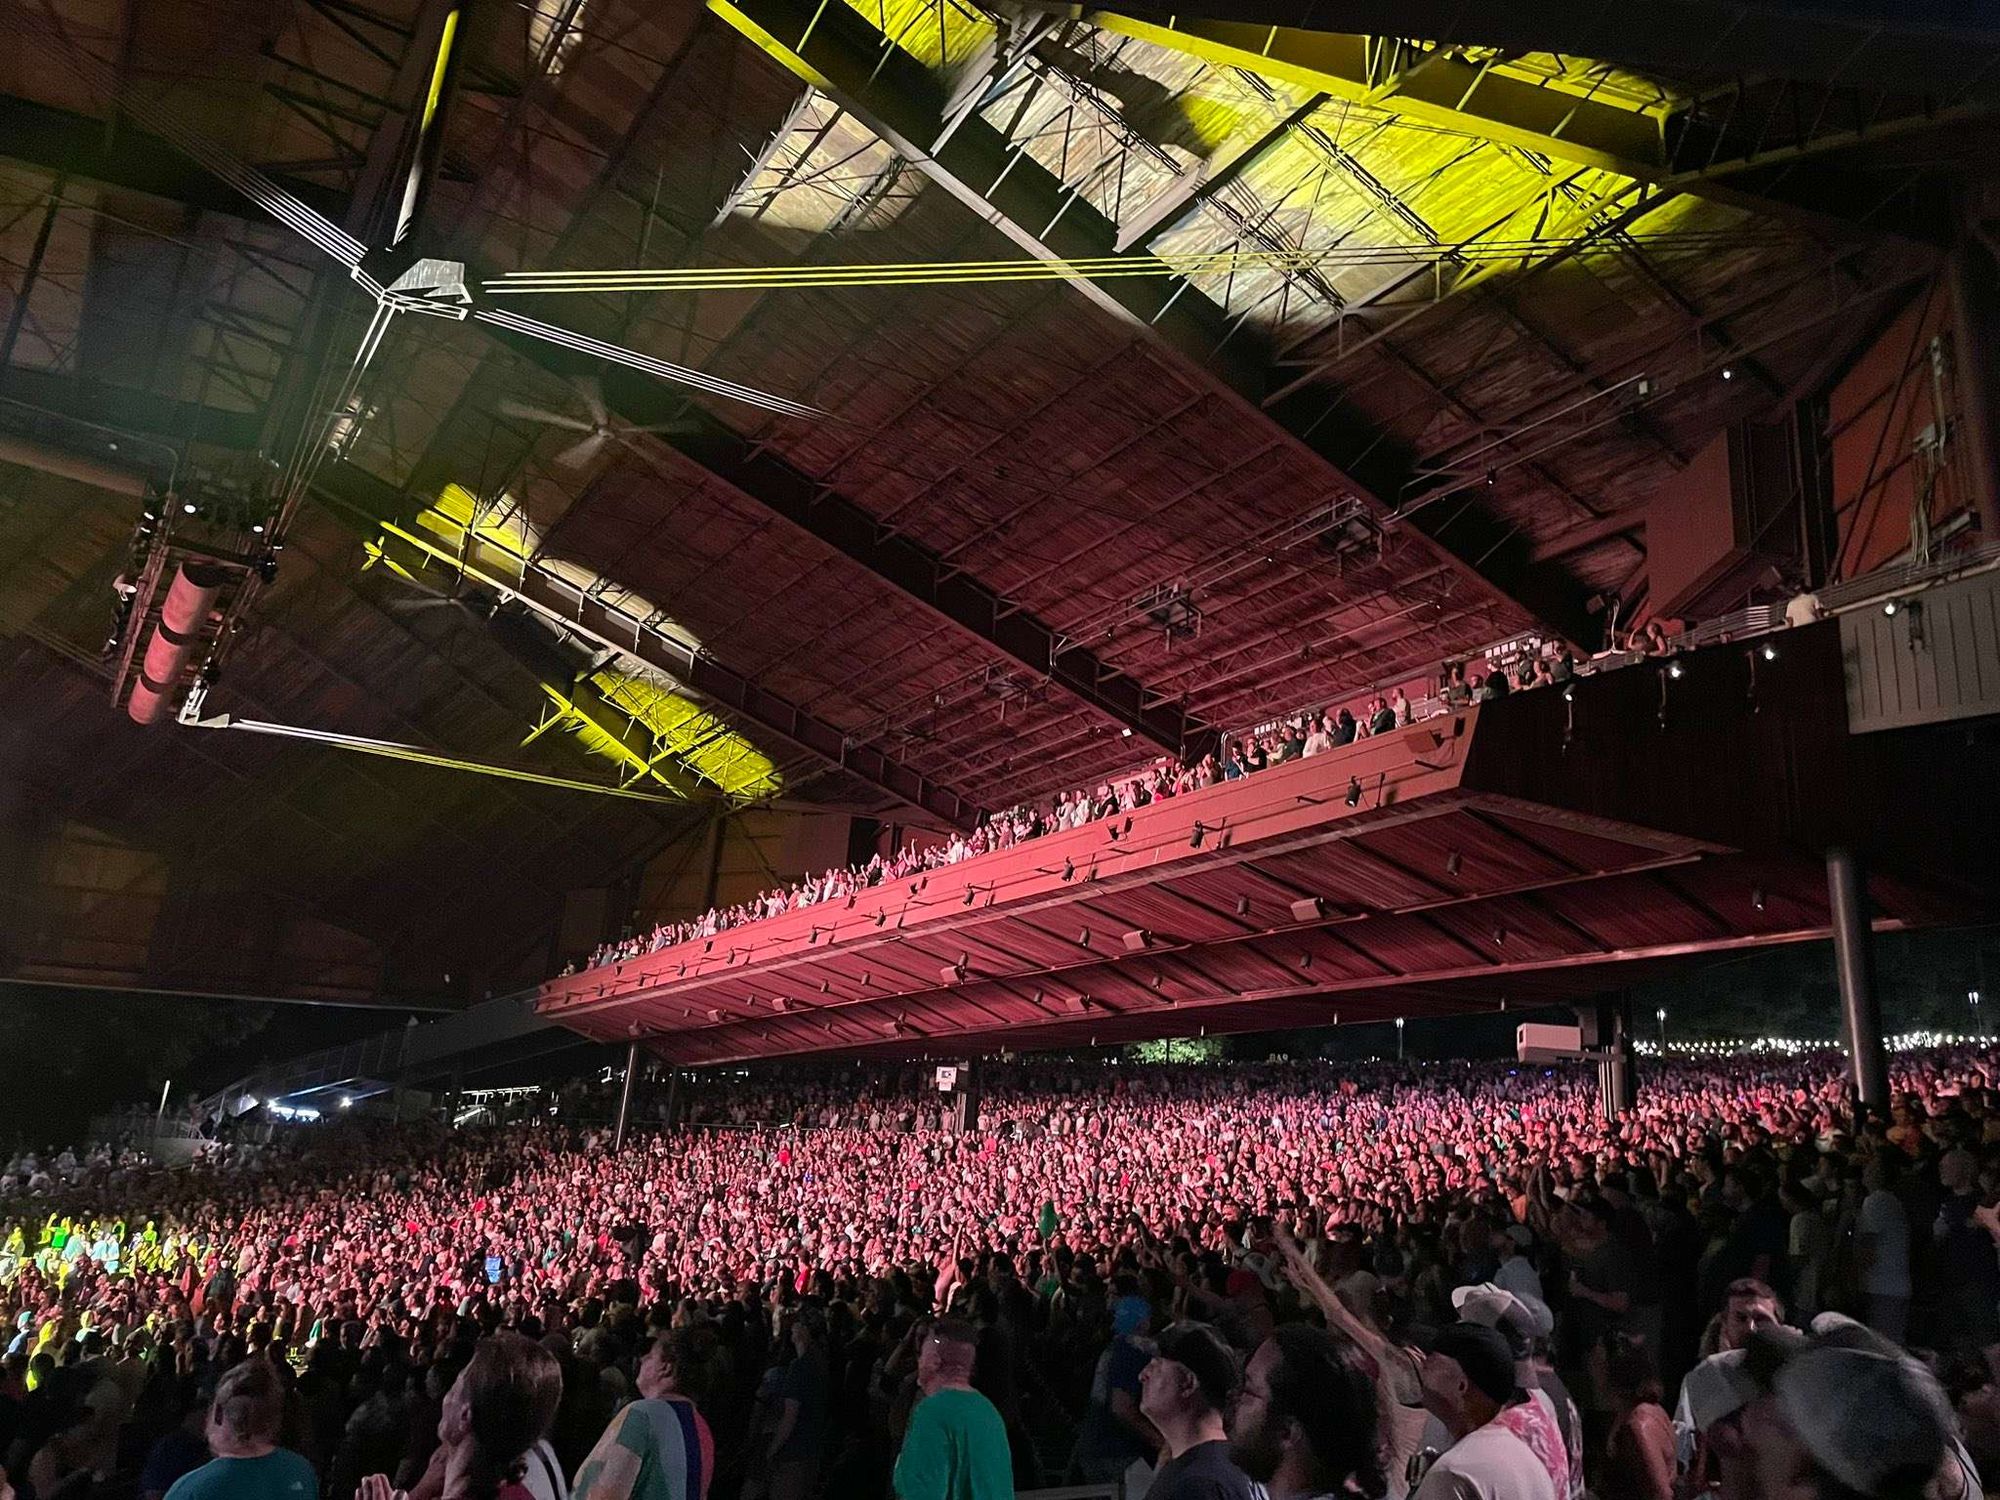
(1353,798)
(1770,652)
(1492,477)
(969,890)
(1569,695)
(1674,670)
(189,508)
(1125,733)
(1194,839)
(257,528)
(1889,608)
(1452,861)
(1242,906)
(1728,372)
(1757,898)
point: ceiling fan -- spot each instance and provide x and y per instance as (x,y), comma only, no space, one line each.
(597,424)
(394,269)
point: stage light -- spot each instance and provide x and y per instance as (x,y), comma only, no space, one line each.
(1194,839)
(1569,695)
(346,1101)
(1125,733)
(258,528)
(1757,898)
(1770,652)
(188,508)
(1353,792)
(1674,670)
(1889,608)
(1452,861)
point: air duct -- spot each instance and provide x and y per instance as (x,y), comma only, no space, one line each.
(105,476)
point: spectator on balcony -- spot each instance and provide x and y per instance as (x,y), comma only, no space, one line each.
(1382,719)
(1344,729)
(1319,739)
(1399,705)
(1456,690)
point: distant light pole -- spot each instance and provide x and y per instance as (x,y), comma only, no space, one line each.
(1972,1005)
(1399,1039)
(1661,1016)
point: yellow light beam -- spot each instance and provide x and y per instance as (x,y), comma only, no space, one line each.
(919,273)
(417,755)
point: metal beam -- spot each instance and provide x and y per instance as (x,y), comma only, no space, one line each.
(1689,148)
(1436,88)
(837,51)
(1587,534)
(761,476)
(57,140)
(1210,177)
(122,408)
(358,492)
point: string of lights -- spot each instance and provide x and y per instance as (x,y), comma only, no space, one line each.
(1908,1041)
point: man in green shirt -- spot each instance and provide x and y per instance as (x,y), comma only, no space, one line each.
(243,1427)
(956,1448)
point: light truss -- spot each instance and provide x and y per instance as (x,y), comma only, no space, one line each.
(1292,259)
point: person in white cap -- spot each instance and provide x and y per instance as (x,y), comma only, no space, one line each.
(1547,1420)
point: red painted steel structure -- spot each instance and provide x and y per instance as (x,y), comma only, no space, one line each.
(1507,855)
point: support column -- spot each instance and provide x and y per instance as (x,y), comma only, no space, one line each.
(1615,1081)
(1854,968)
(673,1098)
(1975,328)
(625,1097)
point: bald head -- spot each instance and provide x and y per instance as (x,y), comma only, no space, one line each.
(947,1355)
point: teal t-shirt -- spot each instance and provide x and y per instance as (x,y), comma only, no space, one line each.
(956,1449)
(279,1475)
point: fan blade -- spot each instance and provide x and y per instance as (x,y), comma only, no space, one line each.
(580,343)
(591,389)
(577,454)
(522,412)
(681,428)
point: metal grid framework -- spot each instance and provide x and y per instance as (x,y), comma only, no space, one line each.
(1481,298)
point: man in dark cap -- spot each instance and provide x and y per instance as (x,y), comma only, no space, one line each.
(1468,1380)
(1184,1391)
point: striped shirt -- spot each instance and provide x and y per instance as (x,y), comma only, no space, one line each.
(653,1450)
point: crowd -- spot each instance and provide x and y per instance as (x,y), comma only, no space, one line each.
(1444,1280)
(1298,737)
